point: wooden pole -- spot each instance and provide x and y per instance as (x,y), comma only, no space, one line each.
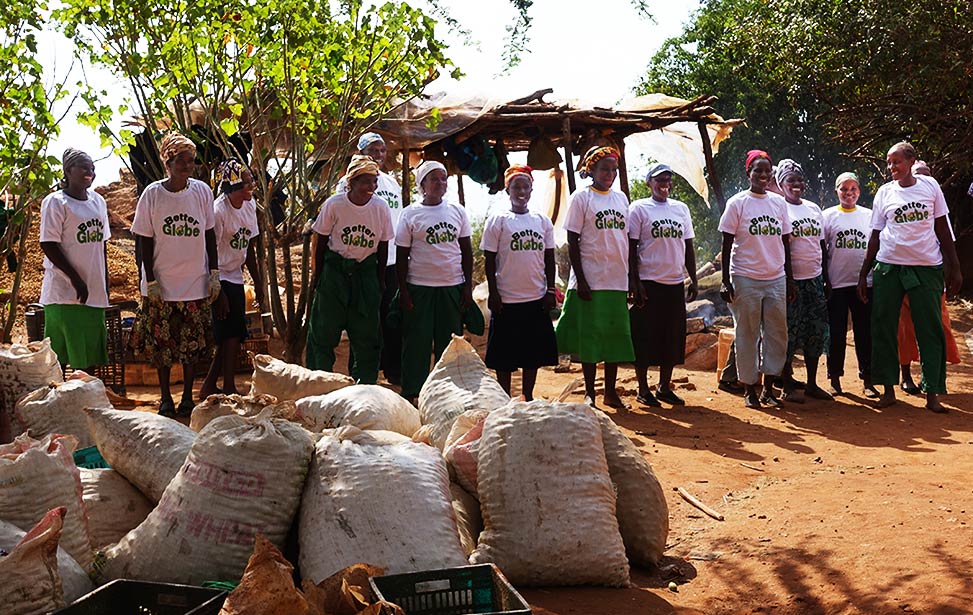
(557,196)
(568,161)
(714,178)
(622,167)
(459,187)
(406,189)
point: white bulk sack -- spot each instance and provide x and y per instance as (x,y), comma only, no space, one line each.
(546,497)
(74,580)
(59,408)
(23,369)
(462,445)
(469,522)
(145,448)
(365,406)
(388,505)
(243,476)
(640,506)
(31,583)
(361,436)
(37,476)
(459,382)
(287,381)
(245,405)
(114,506)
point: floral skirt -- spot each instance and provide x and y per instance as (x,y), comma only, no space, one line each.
(169,332)
(807,319)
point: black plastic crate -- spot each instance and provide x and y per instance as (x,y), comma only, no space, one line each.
(480,589)
(124,597)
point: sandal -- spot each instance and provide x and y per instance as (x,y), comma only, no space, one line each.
(167,408)
(910,388)
(792,396)
(750,400)
(816,392)
(617,404)
(648,399)
(768,399)
(870,392)
(668,396)
(730,386)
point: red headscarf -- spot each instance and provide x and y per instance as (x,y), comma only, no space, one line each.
(753,155)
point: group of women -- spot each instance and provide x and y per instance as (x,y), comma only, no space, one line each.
(792,273)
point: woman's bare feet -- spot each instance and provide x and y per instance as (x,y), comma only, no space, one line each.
(932,403)
(887,398)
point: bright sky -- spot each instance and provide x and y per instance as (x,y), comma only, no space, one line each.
(593,51)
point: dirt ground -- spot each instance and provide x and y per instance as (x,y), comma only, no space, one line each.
(829,507)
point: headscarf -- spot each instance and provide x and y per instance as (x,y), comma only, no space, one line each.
(591,158)
(919,167)
(426,168)
(360,165)
(230,172)
(513,171)
(786,168)
(846,176)
(753,155)
(367,139)
(174,144)
(72,157)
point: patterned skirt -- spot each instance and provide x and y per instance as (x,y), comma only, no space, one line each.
(169,332)
(807,319)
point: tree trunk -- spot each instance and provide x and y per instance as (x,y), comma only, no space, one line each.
(11,316)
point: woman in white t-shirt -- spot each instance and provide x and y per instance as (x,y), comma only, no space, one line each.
(757,279)
(913,255)
(74,291)
(235,226)
(435,274)
(354,229)
(518,246)
(807,314)
(181,272)
(846,231)
(661,254)
(595,324)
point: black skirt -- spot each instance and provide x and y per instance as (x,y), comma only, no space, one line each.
(659,326)
(521,337)
(235,324)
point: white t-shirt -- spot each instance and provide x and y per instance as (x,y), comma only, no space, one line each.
(432,234)
(757,223)
(178,222)
(519,241)
(354,231)
(235,229)
(600,218)
(906,219)
(81,228)
(390,191)
(661,229)
(807,232)
(846,236)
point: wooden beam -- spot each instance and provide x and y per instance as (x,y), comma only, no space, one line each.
(568,160)
(622,167)
(714,178)
(459,188)
(406,189)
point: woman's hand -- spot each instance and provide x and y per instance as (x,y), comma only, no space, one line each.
(863,287)
(636,292)
(692,291)
(222,306)
(584,291)
(550,301)
(466,300)
(81,288)
(726,291)
(405,300)
(495,305)
(153,291)
(954,281)
(791,291)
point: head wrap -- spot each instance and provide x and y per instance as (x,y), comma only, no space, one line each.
(360,165)
(72,157)
(367,139)
(755,154)
(591,158)
(174,144)
(919,167)
(846,176)
(230,173)
(425,169)
(657,169)
(513,171)
(786,168)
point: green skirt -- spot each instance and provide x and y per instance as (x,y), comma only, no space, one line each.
(77,334)
(596,330)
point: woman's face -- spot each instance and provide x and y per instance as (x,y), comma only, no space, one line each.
(247,189)
(848,193)
(519,190)
(793,188)
(362,187)
(434,185)
(899,165)
(760,174)
(181,167)
(377,150)
(81,174)
(604,173)
(660,186)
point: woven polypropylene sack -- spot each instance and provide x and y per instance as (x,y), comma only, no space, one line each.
(245,405)
(59,408)
(37,476)
(641,508)
(287,381)
(460,382)
(462,445)
(114,505)
(243,476)
(74,580)
(365,406)
(145,448)
(388,505)
(31,584)
(547,499)
(23,369)
(469,521)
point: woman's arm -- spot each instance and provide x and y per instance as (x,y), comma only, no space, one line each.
(466,249)
(726,289)
(693,291)
(574,254)
(954,276)
(52,250)
(383,257)
(870,253)
(824,269)
(254,268)
(320,251)
(550,272)
(634,284)
(490,265)
(788,272)
(402,273)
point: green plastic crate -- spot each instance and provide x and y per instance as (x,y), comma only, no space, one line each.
(90,459)
(480,589)
(126,597)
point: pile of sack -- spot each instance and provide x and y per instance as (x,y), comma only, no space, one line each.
(553,494)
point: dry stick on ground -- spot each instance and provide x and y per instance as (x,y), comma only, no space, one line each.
(703,507)
(569,389)
(747,465)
